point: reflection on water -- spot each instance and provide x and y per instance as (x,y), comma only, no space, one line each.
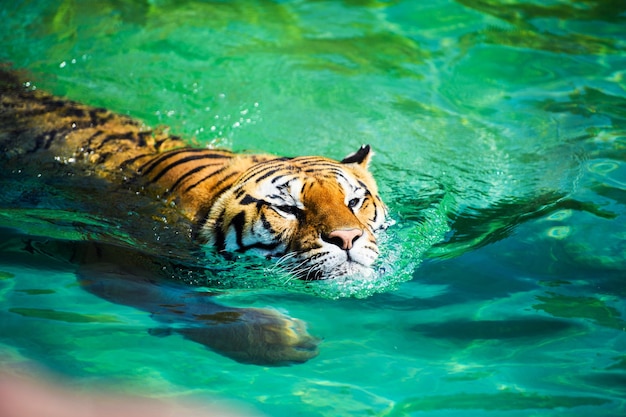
(531,26)
(503,401)
(591,102)
(495,329)
(594,309)
(500,134)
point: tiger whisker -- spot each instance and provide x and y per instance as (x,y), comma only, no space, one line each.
(286,268)
(285,258)
(294,270)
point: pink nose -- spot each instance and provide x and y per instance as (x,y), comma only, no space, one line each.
(344,238)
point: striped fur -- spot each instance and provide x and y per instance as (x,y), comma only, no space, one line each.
(317,215)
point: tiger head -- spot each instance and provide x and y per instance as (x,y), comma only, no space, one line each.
(316,214)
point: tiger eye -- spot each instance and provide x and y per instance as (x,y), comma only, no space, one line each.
(354,202)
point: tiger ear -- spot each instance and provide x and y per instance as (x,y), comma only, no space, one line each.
(361,157)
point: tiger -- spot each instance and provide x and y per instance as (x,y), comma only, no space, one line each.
(316,216)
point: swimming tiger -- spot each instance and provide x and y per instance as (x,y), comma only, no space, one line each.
(318,216)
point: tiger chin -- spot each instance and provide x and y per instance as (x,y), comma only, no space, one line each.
(315,216)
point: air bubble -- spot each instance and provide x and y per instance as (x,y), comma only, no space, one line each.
(560,215)
(559,232)
(603,167)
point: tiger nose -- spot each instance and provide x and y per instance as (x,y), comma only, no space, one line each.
(344,238)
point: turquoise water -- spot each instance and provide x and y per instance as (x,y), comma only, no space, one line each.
(500,139)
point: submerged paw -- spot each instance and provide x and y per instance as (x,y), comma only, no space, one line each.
(257,336)
(282,338)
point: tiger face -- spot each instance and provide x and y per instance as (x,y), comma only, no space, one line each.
(319,216)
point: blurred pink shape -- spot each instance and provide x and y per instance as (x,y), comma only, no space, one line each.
(29,397)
